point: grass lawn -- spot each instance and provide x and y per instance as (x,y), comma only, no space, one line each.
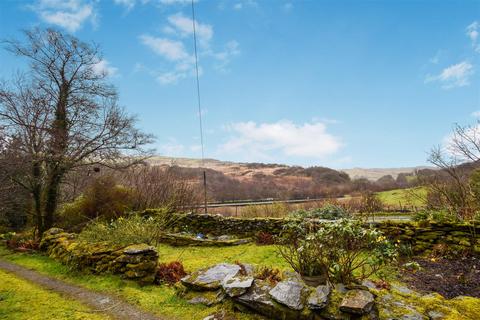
(194,258)
(20,299)
(160,300)
(411,197)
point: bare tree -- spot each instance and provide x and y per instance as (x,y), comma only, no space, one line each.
(450,186)
(159,187)
(64,115)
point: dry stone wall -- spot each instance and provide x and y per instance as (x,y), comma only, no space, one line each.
(422,238)
(135,262)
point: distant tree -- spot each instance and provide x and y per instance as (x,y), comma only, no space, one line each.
(386,182)
(402,180)
(63,115)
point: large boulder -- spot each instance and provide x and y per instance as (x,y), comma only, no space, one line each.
(290,293)
(357,302)
(210,278)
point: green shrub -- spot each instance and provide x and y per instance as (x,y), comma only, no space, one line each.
(132,229)
(344,249)
(328,212)
(433,216)
(103,199)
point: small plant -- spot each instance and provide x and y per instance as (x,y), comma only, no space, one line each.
(412,266)
(243,269)
(264,238)
(170,273)
(273,276)
(426,216)
(21,241)
(327,212)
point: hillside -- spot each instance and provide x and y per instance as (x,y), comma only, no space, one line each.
(248,170)
(374,174)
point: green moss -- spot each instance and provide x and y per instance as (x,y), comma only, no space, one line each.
(21,300)
(396,304)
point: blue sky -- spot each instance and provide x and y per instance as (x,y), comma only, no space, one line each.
(332,83)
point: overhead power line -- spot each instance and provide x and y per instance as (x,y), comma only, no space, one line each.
(199,108)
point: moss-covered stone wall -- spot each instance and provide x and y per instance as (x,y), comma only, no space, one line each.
(135,262)
(218,225)
(457,236)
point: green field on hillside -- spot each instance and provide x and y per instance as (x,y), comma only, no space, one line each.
(411,197)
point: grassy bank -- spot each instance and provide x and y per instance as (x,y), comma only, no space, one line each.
(160,300)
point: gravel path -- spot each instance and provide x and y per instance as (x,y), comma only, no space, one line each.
(99,302)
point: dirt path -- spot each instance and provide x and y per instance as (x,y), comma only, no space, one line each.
(102,303)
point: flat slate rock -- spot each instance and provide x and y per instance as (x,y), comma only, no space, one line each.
(257,298)
(357,302)
(208,299)
(210,278)
(138,249)
(318,298)
(236,286)
(289,293)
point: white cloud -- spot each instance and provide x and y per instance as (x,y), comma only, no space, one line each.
(129,4)
(238,6)
(457,75)
(476,114)
(169,49)
(172,48)
(68,14)
(259,140)
(184,26)
(104,67)
(472,31)
(225,56)
(452,143)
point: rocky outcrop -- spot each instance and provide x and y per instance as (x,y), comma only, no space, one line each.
(136,262)
(288,299)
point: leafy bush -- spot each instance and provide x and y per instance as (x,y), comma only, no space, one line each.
(327,212)
(344,249)
(170,273)
(131,229)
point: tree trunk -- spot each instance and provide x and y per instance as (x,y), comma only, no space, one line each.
(37,196)
(58,149)
(51,197)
